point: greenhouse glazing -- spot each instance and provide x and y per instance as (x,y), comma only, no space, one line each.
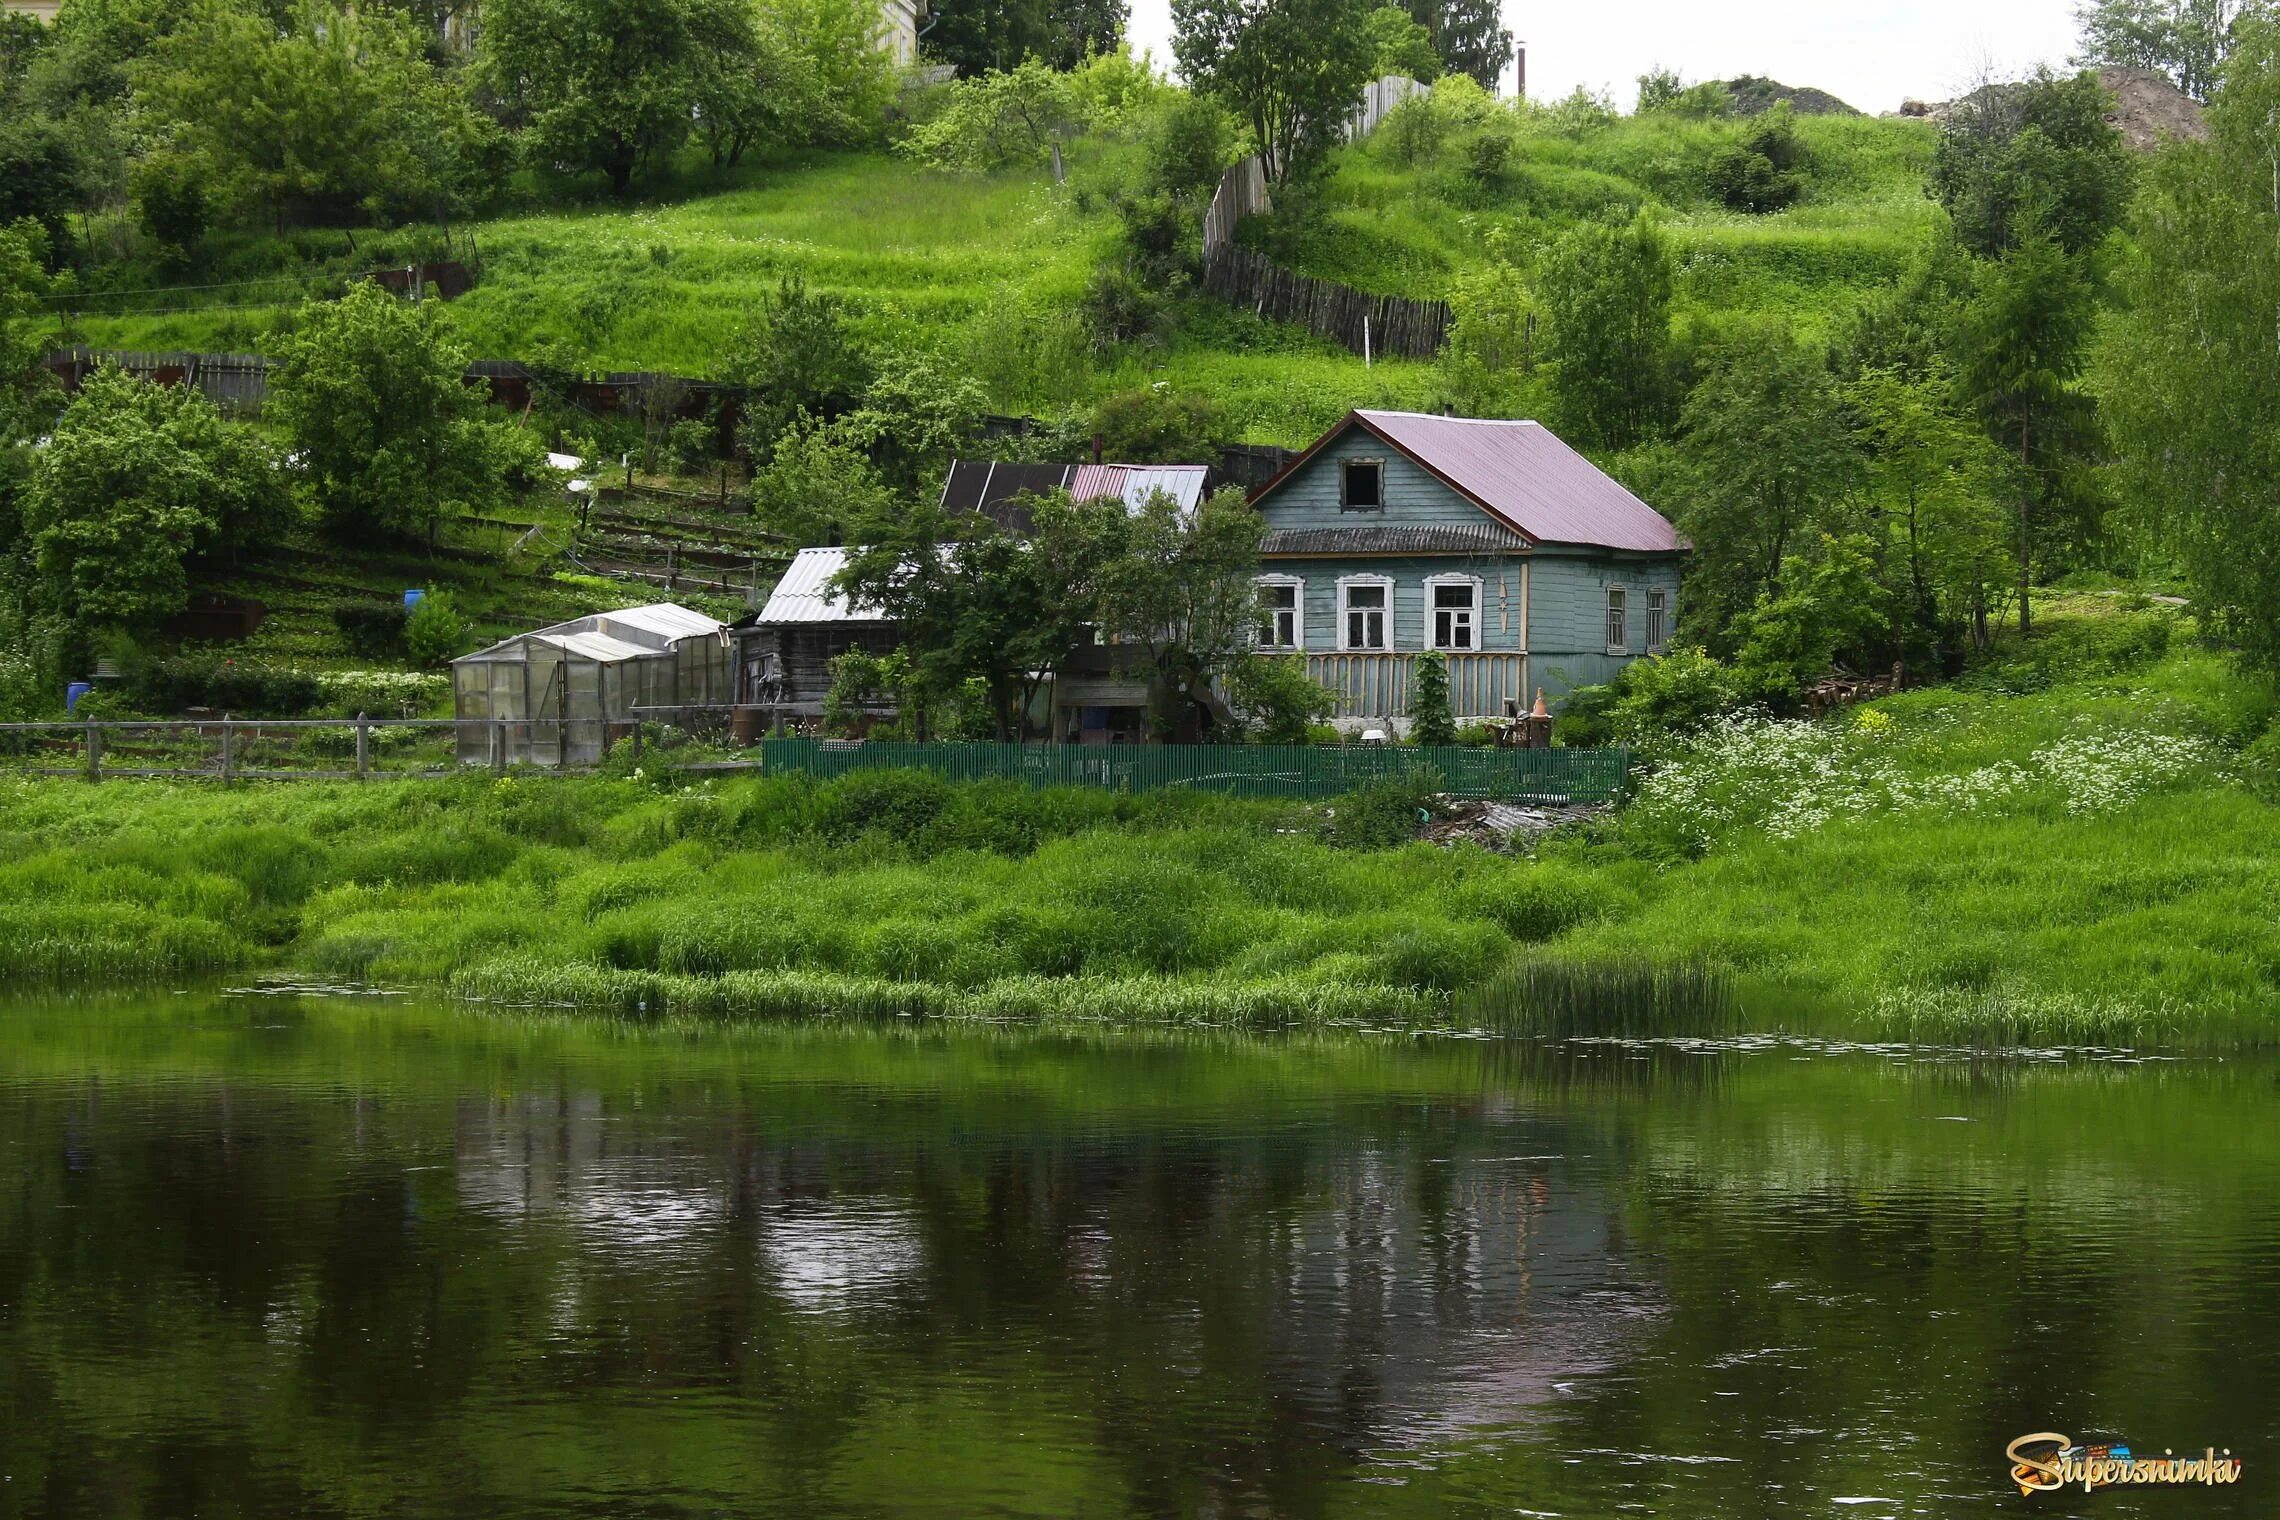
(561,695)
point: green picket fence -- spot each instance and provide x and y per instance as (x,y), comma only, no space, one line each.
(1265,770)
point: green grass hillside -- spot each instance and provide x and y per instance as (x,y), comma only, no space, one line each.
(1411,229)
(994,269)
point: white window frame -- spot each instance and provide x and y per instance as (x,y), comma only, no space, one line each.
(1433,585)
(1297,586)
(1658,619)
(1618,605)
(1346,588)
(1345,502)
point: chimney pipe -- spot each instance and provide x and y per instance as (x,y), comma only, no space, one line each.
(1520,72)
(1097,445)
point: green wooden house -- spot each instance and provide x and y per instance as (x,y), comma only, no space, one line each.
(1493,542)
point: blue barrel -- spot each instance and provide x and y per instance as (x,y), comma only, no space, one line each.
(414,598)
(73,692)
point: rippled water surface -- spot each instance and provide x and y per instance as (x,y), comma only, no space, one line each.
(296,1255)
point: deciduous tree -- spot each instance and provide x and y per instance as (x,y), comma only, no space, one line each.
(1768,465)
(1292,69)
(1606,295)
(135,480)
(2188,40)
(2190,377)
(1469,37)
(601,85)
(2024,344)
(1179,588)
(390,439)
(2033,159)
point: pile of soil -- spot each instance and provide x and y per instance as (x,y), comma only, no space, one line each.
(1753,96)
(2151,110)
(2148,108)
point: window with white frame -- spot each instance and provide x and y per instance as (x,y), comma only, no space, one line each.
(1282,604)
(1658,620)
(1453,604)
(1618,620)
(1365,614)
(1361,485)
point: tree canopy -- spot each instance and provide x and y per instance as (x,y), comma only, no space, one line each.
(2189,40)
(389,438)
(1292,69)
(1606,295)
(134,481)
(2036,157)
(2190,376)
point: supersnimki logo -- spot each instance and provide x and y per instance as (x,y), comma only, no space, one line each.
(2048,1462)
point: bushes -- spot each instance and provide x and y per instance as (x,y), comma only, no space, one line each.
(371,630)
(1649,701)
(231,686)
(1385,813)
(1762,172)
(434,632)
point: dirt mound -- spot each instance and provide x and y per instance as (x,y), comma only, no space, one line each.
(1753,95)
(2148,108)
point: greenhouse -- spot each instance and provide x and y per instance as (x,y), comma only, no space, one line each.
(562,695)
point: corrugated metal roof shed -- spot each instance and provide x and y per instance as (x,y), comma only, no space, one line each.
(805,594)
(1520,473)
(990,487)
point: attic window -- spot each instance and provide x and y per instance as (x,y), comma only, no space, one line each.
(1361,485)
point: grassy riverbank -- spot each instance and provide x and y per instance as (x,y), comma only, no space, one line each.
(2059,849)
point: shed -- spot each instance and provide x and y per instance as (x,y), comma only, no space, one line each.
(566,691)
(784,655)
(995,488)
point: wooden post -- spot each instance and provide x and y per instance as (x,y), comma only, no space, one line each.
(229,755)
(499,746)
(94,750)
(363,748)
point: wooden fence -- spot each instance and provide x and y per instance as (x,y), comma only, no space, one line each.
(1365,324)
(1380,96)
(1372,326)
(231,750)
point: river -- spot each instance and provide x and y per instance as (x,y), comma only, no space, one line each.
(298,1254)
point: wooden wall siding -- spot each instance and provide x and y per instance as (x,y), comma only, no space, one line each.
(1309,498)
(1568,601)
(1379,685)
(1500,612)
(1559,674)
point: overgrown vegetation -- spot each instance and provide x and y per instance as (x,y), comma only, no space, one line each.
(2070,845)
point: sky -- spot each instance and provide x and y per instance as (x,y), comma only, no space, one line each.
(1871,53)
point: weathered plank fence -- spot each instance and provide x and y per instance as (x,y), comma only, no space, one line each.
(1372,326)
(1365,324)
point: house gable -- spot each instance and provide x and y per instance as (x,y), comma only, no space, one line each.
(1518,474)
(1307,497)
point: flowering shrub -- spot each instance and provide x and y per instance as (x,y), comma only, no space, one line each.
(1788,778)
(382,692)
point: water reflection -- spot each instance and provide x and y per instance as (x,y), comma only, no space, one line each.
(340,1259)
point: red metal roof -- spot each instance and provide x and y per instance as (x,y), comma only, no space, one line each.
(1519,473)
